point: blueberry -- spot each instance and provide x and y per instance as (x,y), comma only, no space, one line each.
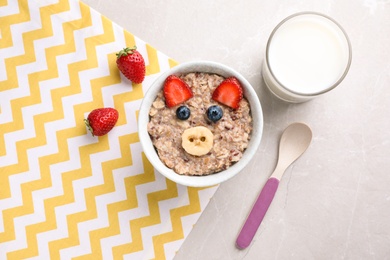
(214,113)
(183,113)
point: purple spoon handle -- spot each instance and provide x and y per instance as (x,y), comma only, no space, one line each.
(257,213)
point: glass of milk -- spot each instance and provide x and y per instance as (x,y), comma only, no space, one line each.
(307,55)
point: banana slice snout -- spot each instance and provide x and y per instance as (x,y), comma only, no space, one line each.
(197,140)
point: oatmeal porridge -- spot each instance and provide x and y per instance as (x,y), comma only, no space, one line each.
(222,132)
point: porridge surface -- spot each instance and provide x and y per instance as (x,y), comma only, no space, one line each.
(231,133)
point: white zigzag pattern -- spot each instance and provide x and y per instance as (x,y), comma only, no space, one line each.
(102,202)
(189,221)
(13,8)
(85,248)
(17,180)
(142,211)
(80,205)
(120,195)
(10,9)
(75,143)
(28,113)
(56,190)
(22,87)
(34,154)
(165,226)
(17,31)
(124,217)
(130,127)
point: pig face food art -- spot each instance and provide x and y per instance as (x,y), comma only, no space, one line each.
(200,123)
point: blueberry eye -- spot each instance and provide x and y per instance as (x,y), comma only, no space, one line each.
(183,113)
(214,113)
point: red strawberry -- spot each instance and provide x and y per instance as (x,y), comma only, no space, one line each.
(229,93)
(131,63)
(176,91)
(100,121)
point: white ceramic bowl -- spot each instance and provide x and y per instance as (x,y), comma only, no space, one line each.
(213,179)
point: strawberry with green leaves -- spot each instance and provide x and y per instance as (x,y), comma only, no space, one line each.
(101,120)
(131,63)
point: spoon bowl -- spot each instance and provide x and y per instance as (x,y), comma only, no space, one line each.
(293,143)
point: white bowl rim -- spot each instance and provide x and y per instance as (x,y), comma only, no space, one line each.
(207,180)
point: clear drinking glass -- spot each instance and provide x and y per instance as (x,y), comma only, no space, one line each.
(307,55)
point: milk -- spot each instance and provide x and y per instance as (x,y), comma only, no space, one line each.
(307,54)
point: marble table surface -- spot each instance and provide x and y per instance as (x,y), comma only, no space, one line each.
(334,202)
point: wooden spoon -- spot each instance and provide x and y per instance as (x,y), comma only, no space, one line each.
(293,143)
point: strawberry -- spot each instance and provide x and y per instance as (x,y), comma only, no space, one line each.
(101,120)
(176,91)
(131,63)
(229,93)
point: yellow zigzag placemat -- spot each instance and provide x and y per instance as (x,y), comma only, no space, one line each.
(63,193)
